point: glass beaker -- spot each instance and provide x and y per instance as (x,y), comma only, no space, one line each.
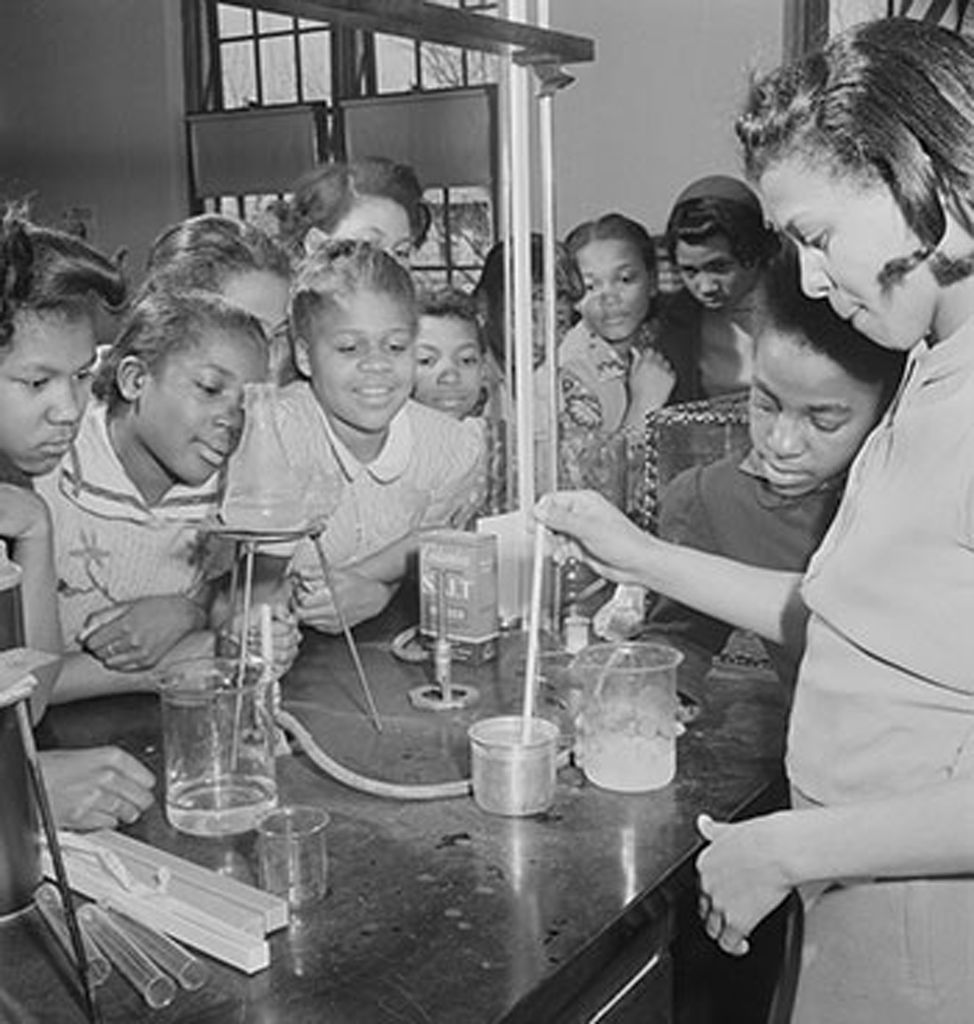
(218,747)
(626,729)
(263,492)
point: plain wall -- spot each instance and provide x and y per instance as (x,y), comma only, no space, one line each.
(91,115)
(656,108)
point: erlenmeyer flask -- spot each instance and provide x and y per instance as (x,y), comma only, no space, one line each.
(263,492)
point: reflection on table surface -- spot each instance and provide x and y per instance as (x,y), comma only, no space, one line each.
(436,912)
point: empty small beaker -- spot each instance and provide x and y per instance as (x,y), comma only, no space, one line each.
(513,776)
(218,747)
(292,853)
(626,729)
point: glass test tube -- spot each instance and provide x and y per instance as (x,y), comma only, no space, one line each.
(156,988)
(49,904)
(190,972)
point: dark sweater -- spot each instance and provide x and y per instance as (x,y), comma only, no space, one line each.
(724,509)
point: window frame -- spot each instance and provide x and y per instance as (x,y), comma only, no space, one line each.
(354,75)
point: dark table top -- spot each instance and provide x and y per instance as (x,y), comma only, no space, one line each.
(436,912)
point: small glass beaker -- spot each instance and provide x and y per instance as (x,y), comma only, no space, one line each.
(292,853)
(626,729)
(218,747)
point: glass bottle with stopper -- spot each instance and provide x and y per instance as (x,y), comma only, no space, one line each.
(575,623)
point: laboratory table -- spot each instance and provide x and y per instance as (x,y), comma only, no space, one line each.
(438,913)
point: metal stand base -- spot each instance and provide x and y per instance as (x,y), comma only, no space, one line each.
(431,698)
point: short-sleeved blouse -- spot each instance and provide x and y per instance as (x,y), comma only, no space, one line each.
(885,698)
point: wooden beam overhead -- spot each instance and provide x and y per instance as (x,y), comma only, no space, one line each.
(418,19)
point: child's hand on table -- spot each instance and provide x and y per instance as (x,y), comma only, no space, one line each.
(99,787)
(134,635)
(360,597)
(285,635)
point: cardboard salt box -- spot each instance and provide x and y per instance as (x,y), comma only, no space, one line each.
(458,581)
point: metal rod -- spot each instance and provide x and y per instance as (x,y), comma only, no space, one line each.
(248,594)
(507,265)
(241,678)
(549,481)
(349,639)
(441,652)
(54,848)
(520,112)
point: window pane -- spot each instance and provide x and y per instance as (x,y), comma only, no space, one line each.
(233,21)
(434,249)
(316,65)
(259,210)
(395,63)
(277,69)
(482,67)
(273,22)
(442,66)
(429,279)
(308,23)
(239,80)
(227,205)
(470,225)
(466,279)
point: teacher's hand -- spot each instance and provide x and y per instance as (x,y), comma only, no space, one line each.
(741,878)
(602,534)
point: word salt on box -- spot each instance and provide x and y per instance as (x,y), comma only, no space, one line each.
(458,579)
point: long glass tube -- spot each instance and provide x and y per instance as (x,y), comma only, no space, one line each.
(190,972)
(49,904)
(156,988)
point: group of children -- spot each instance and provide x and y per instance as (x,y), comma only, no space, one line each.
(384,394)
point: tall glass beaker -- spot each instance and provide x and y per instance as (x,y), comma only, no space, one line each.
(218,747)
(627,725)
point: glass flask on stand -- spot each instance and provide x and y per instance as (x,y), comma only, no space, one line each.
(264,500)
(263,493)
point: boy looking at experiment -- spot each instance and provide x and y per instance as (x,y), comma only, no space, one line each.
(818,388)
